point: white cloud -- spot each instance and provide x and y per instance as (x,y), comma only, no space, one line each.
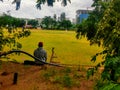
(28,9)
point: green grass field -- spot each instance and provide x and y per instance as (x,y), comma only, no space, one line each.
(68,49)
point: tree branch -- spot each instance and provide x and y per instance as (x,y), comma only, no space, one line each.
(20,51)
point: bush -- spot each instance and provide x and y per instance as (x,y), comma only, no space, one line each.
(67,81)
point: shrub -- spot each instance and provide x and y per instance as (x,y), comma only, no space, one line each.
(67,81)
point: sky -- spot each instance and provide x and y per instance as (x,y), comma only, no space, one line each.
(28,9)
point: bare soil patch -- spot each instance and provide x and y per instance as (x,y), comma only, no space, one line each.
(42,78)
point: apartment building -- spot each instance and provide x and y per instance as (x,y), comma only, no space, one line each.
(81,15)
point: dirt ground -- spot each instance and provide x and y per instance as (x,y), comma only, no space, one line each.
(31,78)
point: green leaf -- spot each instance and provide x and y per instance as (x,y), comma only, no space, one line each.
(110,86)
(90,72)
(94,58)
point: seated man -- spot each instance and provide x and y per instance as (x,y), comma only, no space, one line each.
(40,53)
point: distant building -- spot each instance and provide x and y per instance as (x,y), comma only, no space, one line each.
(67,18)
(1,14)
(81,15)
(62,16)
(106,0)
(74,21)
(39,20)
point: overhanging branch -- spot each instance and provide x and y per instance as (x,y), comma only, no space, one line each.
(20,51)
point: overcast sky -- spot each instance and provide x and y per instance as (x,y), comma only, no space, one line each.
(28,9)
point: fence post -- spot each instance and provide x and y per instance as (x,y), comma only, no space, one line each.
(15,78)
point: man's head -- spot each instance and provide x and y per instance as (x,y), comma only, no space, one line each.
(40,44)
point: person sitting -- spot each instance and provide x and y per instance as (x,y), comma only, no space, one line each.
(40,53)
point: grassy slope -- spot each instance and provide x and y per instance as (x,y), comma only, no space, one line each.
(68,49)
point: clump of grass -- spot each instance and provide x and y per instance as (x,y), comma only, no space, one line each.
(76,83)
(57,79)
(67,81)
(49,73)
(66,77)
(67,70)
(46,76)
(77,76)
(0,64)
(83,69)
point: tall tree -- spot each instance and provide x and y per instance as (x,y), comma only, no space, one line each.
(89,26)
(48,22)
(33,22)
(9,39)
(103,28)
(108,34)
(65,24)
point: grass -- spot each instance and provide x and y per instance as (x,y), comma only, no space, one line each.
(68,49)
(61,77)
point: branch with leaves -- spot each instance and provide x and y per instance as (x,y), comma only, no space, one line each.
(51,2)
(9,32)
(40,2)
(108,35)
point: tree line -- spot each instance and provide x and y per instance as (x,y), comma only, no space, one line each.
(7,20)
(52,24)
(47,23)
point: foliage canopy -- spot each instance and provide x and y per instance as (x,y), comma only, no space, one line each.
(103,28)
(9,33)
(40,2)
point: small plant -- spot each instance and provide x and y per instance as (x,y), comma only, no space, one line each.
(48,74)
(83,69)
(57,79)
(0,64)
(76,83)
(67,81)
(77,76)
(67,70)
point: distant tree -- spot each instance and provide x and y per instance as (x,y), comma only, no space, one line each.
(9,39)
(21,22)
(65,24)
(33,22)
(48,22)
(9,20)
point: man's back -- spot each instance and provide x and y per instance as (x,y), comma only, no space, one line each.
(41,54)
